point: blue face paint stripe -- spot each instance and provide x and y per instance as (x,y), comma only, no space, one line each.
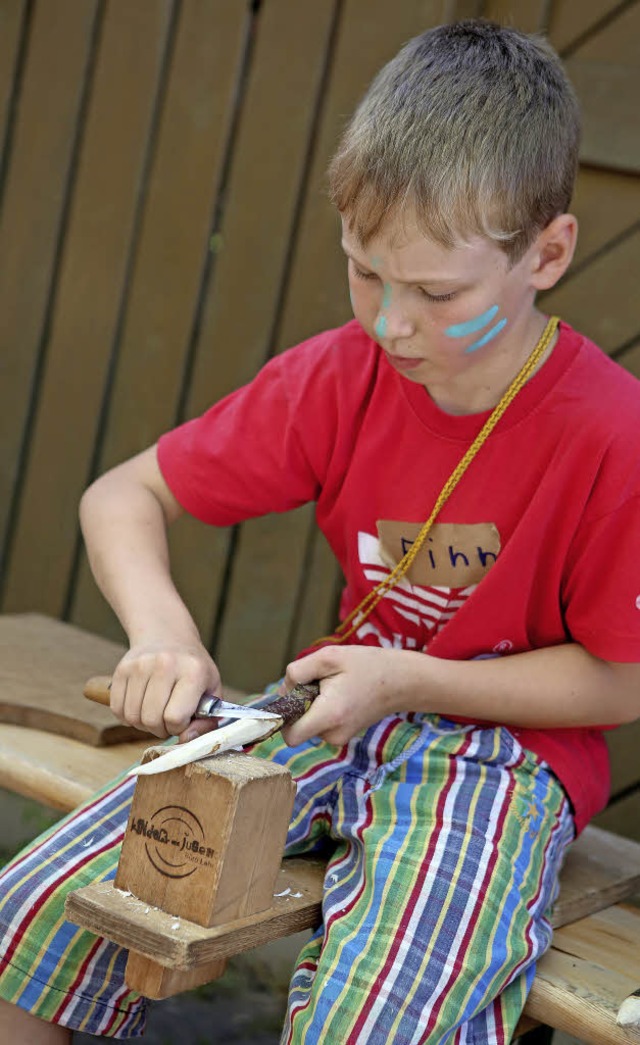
(381,326)
(490,334)
(472,326)
(386,295)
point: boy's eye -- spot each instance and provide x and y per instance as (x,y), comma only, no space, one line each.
(361,274)
(437,297)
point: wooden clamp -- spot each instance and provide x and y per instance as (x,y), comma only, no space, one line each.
(203,843)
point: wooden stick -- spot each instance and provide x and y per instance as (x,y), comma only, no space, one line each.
(216,742)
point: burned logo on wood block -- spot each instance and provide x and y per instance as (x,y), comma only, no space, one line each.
(175,841)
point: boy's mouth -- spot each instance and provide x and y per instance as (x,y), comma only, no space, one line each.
(404,362)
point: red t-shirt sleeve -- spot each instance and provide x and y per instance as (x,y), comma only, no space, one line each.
(602,590)
(243,457)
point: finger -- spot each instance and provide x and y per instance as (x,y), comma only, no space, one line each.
(183,701)
(152,704)
(134,696)
(197,728)
(117,691)
(316,665)
(312,724)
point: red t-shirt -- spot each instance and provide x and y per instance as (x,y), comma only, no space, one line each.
(536,546)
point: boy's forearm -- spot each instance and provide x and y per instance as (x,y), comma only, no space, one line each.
(124,528)
(559,686)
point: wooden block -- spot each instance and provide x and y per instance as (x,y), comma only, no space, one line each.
(153,980)
(205,841)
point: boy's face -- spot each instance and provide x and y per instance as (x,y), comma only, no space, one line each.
(438,313)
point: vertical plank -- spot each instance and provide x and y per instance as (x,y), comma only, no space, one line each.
(456,10)
(165,281)
(12,24)
(92,273)
(630,359)
(54,79)
(529,16)
(605,204)
(570,19)
(371,33)
(320,583)
(274,138)
(622,817)
(623,746)
(600,300)
(606,74)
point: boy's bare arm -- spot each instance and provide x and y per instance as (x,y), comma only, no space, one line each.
(124,517)
(560,686)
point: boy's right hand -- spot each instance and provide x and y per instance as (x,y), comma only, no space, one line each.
(156,687)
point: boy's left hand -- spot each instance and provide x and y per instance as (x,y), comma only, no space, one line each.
(359,685)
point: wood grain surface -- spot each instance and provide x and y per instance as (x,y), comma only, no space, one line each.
(44,664)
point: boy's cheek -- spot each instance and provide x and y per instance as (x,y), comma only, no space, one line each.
(363,306)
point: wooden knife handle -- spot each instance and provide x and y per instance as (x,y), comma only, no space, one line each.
(295,703)
(98,689)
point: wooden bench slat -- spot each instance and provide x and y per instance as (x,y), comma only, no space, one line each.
(606,937)
(59,771)
(580,995)
(600,869)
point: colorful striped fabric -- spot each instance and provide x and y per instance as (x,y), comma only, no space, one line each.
(446,845)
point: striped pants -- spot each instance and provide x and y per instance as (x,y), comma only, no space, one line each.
(445,843)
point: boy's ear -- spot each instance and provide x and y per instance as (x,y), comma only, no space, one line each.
(552,251)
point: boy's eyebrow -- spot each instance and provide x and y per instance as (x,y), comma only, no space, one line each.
(430,281)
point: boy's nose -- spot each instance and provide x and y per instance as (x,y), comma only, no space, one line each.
(393,323)
(392,320)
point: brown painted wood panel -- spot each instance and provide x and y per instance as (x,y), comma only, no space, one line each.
(92,275)
(601,300)
(623,817)
(54,77)
(371,32)
(630,359)
(606,74)
(605,203)
(528,16)
(280,108)
(269,161)
(624,748)
(455,10)
(171,253)
(570,19)
(12,21)
(319,587)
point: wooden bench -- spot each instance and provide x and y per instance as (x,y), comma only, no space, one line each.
(594,961)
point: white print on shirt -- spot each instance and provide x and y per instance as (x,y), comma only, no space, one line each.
(425,607)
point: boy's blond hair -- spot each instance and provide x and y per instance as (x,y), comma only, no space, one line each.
(472,129)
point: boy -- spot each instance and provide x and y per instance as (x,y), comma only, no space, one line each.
(490,616)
